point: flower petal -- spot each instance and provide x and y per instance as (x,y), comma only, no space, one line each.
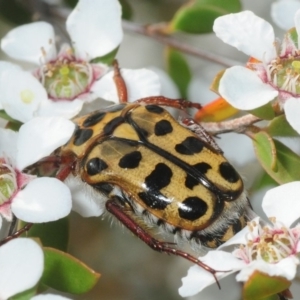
(248,33)
(230,289)
(285,268)
(85,201)
(244,90)
(66,109)
(198,278)
(6,65)
(95,28)
(282,12)
(40,137)
(283,203)
(33,43)
(21,94)
(140,83)
(8,144)
(292,111)
(21,266)
(42,200)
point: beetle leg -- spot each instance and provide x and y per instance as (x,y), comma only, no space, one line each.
(113,206)
(120,83)
(164,101)
(53,166)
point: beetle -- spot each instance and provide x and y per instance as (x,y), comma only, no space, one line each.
(152,169)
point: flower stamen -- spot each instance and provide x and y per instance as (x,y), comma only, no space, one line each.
(270,244)
(66,78)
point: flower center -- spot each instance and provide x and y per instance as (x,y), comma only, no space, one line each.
(66,79)
(284,73)
(270,244)
(8,182)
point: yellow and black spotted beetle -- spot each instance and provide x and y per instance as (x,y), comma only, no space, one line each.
(166,173)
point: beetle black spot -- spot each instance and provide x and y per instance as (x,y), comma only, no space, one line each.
(162,127)
(115,108)
(111,125)
(81,136)
(191,181)
(104,188)
(159,178)
(95,166)
(160,222)
(228,172)
(192,208)
(190,146)
(93,119)
(237,226)
(154,108)
(154,200)
(130,160)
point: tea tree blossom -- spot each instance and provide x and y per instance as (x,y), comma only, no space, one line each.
(62,82)
(271,248)
(273,71)
(29,198)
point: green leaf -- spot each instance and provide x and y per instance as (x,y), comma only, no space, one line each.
(13,11)
(66,273)
(261,286)
(126,10)
(198,16)
(262,181)
(15,126)
(264,112)
(106,59)
(52,234)
(12,123)
(27,295)
(179,70)
(279,161)
(71,3)
(279,126)
(5,116)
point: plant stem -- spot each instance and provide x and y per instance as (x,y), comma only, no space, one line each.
(179,45)
(238,125)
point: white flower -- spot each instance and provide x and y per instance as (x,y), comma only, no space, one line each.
(283,11)
(63,82)
(29,198)
(140,83)
(268,75)
(271,249)
(21,266)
